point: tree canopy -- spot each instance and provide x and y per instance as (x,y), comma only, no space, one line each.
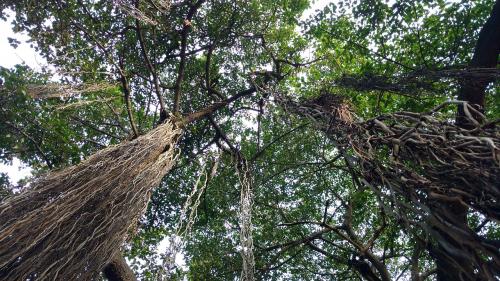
(311,115)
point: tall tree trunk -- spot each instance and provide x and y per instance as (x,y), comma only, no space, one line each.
(485,56)
(62,228)
(472,91)
(424,192)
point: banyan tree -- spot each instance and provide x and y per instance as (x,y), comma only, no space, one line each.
(253,140)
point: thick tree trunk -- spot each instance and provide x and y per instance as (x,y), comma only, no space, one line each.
(473,91)
(485,56)
(118,269)
(61,228)
(57,230)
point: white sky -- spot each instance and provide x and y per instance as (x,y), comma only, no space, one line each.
(23,54)
(11,57)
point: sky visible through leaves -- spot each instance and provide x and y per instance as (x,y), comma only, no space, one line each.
(24,54)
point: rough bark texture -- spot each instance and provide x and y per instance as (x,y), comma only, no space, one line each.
(63,227)
(485,56)
(455,165)
(472,91)
(118,269)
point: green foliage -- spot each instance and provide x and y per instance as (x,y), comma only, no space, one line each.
(297,171)
(48,132)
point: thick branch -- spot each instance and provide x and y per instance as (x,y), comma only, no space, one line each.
(215,106)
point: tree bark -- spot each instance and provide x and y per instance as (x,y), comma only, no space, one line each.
(485,56)
(57,229)
(118,269)
(473,91)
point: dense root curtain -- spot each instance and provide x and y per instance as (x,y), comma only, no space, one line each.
(70,224)
(419,163)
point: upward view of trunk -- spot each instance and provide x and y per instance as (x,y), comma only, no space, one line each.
(432,163)
(472,91)
(72,222)
(485,56)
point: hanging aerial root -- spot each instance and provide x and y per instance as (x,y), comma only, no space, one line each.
(187,218)
(245,221)
(71,222)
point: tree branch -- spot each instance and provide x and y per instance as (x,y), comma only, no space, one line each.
(182,65)
(35,143)
(215,106)
(152,70)
(128,103)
